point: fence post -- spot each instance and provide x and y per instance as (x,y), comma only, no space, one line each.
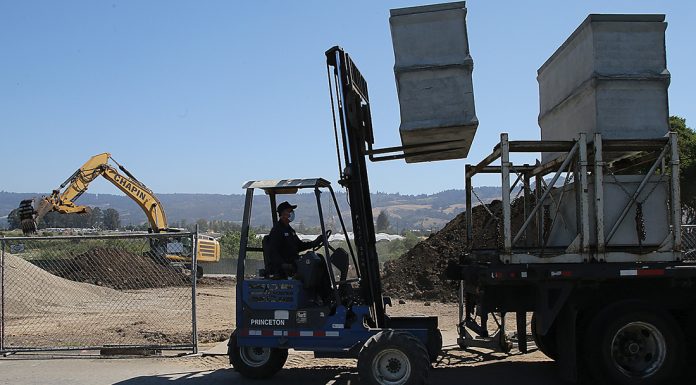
(194,271)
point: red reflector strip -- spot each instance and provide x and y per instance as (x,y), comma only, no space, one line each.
(289,333)
(567,273)
(651,272)
(642,272)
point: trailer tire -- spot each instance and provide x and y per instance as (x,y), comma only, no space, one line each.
(634,343)
(393,357)
(546,343)
(255,362)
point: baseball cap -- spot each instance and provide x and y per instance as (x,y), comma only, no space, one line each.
(284,206)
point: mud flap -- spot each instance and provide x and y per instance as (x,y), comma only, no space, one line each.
(566,342)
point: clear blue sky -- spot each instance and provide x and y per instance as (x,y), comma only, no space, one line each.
(200,96)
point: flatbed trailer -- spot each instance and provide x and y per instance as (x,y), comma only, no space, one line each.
(614,309)
(572,306)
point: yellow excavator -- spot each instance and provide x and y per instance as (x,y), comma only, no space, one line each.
(62,200)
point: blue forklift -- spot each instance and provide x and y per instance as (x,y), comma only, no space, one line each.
(274,315)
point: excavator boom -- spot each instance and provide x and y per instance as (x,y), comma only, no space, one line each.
(62,200)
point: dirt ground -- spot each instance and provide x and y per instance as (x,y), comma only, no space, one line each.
(215,308)
(215,315)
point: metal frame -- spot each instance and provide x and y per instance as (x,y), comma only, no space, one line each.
(289,186)
(574,159)
(18,349)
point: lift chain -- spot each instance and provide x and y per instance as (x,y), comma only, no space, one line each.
(641,231)
(640,223)
(547,222)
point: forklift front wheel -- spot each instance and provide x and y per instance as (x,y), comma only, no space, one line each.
(393,358)
(256,362)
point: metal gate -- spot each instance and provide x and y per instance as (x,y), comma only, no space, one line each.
(97,292)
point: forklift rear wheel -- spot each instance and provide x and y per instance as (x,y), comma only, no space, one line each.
(256,362)
(393,358)
(199,271)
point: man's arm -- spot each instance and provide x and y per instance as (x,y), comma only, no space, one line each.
(306,245)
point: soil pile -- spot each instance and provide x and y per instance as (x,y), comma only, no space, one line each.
(29,289)
(420,272)
(123,270)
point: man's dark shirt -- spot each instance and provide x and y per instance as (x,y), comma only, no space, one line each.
(283,247)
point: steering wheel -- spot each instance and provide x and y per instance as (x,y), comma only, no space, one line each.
(328,234)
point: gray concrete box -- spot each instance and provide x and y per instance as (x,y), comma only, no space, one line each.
(609,76)
(433,77)
(655,198)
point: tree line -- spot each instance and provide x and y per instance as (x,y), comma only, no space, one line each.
(97,218)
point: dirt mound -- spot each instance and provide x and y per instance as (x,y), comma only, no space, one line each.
(420,272)
(30,289)
(123,270)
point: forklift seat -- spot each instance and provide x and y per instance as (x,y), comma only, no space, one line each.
(266,258)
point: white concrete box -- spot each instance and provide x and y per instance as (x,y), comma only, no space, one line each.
(433,78)
(654,198)
(610,76)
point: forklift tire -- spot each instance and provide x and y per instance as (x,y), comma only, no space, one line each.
(255,362)
(634,343)
(393,357)
(199,271)
(546,343)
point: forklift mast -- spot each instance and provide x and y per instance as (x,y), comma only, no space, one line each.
(352,106)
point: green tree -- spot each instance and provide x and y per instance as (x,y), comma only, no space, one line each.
(112,221)
(13,221)
(687,166)
(202,224)
(96,220)
(229,243)
(382,221)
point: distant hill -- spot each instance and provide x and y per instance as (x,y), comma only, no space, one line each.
(425,211)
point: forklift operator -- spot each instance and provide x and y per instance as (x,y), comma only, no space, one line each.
(284,245)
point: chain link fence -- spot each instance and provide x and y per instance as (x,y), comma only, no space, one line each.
(97,292)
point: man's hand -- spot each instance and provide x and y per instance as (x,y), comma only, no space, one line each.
(318,241)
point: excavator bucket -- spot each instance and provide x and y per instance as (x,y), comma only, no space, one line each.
(26,216)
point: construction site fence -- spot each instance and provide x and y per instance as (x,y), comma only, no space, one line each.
(106,292)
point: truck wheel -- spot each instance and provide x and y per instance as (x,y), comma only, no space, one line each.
(634,343)
(434,346)
(255,362)
(393,358)
(546,343)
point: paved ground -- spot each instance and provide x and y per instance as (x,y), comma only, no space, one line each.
(454,367)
